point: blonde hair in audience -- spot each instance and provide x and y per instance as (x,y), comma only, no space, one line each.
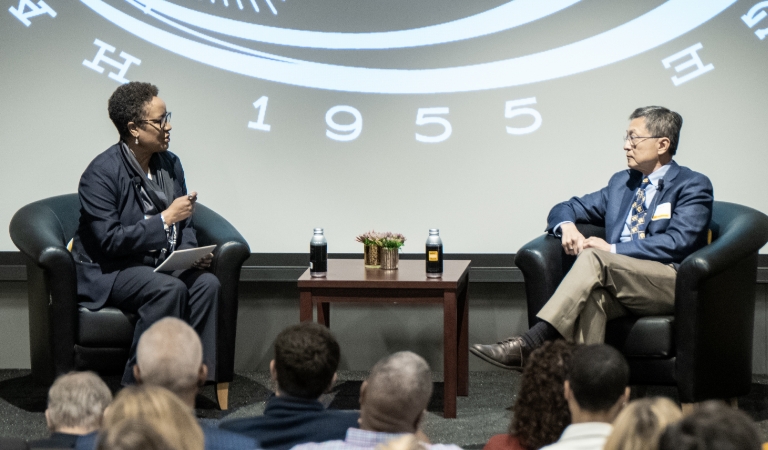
(133,434)
(170,416)
(640,424)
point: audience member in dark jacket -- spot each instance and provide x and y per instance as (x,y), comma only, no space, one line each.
(306,359)
(76,403)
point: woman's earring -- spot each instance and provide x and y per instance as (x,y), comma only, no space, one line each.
(137,141)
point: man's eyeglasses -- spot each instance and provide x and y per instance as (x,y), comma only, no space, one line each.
(632,139)
(161,122)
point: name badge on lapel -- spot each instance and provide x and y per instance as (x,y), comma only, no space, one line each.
(663,211)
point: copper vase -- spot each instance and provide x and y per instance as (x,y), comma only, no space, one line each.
(390,257)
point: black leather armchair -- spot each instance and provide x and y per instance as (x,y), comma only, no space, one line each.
(64,336)
(705,349)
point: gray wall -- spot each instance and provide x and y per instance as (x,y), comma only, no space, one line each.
(366,332)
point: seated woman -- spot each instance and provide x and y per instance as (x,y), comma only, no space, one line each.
(135,211)
(541,412)
(640,424)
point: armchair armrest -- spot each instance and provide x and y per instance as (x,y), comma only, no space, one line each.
(231,252)
(38,232)
(544,264)
(715,306)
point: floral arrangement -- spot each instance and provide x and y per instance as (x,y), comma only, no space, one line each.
(386,240)
(392,240)
(370,238)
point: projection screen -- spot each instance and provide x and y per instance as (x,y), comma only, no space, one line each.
(474,117)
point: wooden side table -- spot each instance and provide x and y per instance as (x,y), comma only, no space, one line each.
(349,281)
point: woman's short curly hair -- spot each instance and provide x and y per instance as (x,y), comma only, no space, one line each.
(128,104)
(541,412)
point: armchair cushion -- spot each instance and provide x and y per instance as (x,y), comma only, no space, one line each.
(107,327)
(642,337)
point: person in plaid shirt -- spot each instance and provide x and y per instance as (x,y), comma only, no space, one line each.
(393,402)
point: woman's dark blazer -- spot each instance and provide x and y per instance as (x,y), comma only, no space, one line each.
(113,233)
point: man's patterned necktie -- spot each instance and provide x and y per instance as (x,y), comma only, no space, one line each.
(637,218)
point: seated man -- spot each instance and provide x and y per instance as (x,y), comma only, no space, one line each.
(596,390)
(170,355)
(712,426)
(393,402)
(655,214)
(306,359)
(76,403)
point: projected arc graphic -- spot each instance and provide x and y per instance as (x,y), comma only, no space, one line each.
(504,17)
(672,19)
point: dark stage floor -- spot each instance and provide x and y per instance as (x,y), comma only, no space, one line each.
(481,415)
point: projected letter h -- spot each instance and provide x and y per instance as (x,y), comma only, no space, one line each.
(101,58)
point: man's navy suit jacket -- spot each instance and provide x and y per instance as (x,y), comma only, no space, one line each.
(668,240)
(113,233)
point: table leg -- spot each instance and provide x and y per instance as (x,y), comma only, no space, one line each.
(449,355)
(324,313)
(463,344)
(305,306)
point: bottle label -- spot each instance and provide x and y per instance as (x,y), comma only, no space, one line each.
(318,258)
(433,256)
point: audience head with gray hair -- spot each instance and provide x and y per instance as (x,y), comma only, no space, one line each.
(395,396)
(76,403)
(170,355)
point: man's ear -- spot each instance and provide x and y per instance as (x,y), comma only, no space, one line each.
(137,373)
(419,420)
(567,393)
(48,422)
(363,388)
(272,370)
(662,145)
(333,381)
(202,374)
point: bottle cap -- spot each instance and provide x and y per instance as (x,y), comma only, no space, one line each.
(434,231)
(318,231)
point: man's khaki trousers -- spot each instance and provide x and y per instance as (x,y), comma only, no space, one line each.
(602,286)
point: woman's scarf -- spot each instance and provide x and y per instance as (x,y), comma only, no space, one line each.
(156,194)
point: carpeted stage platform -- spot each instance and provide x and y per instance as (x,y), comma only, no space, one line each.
(481,415)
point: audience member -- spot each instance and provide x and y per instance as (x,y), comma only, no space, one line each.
(540,412)
(169,416)
(133,434)
(304,367)
(596,390)
(170,355)
(76,403)
(393,402)
(640,424)
(712,426)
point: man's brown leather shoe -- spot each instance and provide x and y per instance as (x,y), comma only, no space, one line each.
(510,354)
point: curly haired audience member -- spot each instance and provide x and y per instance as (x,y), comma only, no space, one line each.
(306,358)
(540,412)
(640,424)
(171,417)
(76,403)
(712,426)
(596,390)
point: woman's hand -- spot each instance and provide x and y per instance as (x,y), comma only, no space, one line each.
(204,262)
(180,209)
